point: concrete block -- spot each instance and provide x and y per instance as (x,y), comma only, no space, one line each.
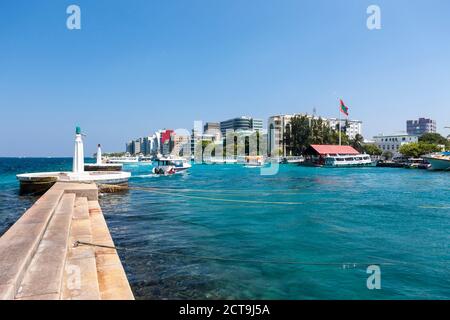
(81,209)
(80,281)
(44,274)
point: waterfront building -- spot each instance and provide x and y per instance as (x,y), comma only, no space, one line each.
(197,140)
(166,142)
(181,144)
(350,127)
(137,146)
(278,132)
(279,128)
(212,128)
(134,146)
(392,143)
(129,147)
(421,126)
(241,123)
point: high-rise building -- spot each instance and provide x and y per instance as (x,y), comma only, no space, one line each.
(421,126)
(181,144)
(137,146)
(212,128)
(257,124)
(166,142)
(129,147)
(241,123)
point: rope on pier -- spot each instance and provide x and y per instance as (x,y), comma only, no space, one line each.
(157,190)
(344,265)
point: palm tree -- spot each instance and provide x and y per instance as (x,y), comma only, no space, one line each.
(357,143)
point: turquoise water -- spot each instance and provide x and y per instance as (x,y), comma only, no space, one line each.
(314,215)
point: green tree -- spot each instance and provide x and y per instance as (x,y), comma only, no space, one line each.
(418,149)
(305,131)
(434,138)
(372,150)
(300,134)
(388,155)
(358,142)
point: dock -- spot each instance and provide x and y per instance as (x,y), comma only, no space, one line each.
(38,258)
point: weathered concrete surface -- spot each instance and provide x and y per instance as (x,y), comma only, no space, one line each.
(39,262)
(113,282)
(44,274)
(20,242)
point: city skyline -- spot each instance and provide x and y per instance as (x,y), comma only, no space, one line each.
(138,67)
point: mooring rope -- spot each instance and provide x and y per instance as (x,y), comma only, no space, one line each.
(155,190)
(345,265)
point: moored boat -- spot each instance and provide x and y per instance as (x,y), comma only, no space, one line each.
(334,156)
(439,161)
(292,160)
(251,161)
(123,160)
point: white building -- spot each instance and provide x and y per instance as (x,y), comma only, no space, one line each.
(393,143)
(350,127)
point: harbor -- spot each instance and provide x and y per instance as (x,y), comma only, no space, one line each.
(224,154)
(176,235)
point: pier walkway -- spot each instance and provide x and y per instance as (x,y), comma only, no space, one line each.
(38,259)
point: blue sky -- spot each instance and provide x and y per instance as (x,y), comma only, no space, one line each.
(140,65)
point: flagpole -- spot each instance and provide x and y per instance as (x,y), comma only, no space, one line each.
(340,131)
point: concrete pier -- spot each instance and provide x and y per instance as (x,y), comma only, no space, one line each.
(38,259)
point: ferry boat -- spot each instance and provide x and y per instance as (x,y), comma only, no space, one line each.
(123,160)
(335,156)
(439,161)
(171,165)
(359,160)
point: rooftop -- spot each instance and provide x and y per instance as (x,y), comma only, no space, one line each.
(333,149)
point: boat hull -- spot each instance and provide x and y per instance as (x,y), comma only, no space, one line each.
(439,164)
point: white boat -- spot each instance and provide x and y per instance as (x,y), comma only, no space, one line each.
(439,162)
(293,160)
(171,165)
(251,161)
(145,160)
(359,160)
(334,156)
(123,160)
(214,160)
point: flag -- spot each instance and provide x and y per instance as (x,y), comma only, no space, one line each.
(344,108)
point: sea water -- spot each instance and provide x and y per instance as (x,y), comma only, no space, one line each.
(226,232)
